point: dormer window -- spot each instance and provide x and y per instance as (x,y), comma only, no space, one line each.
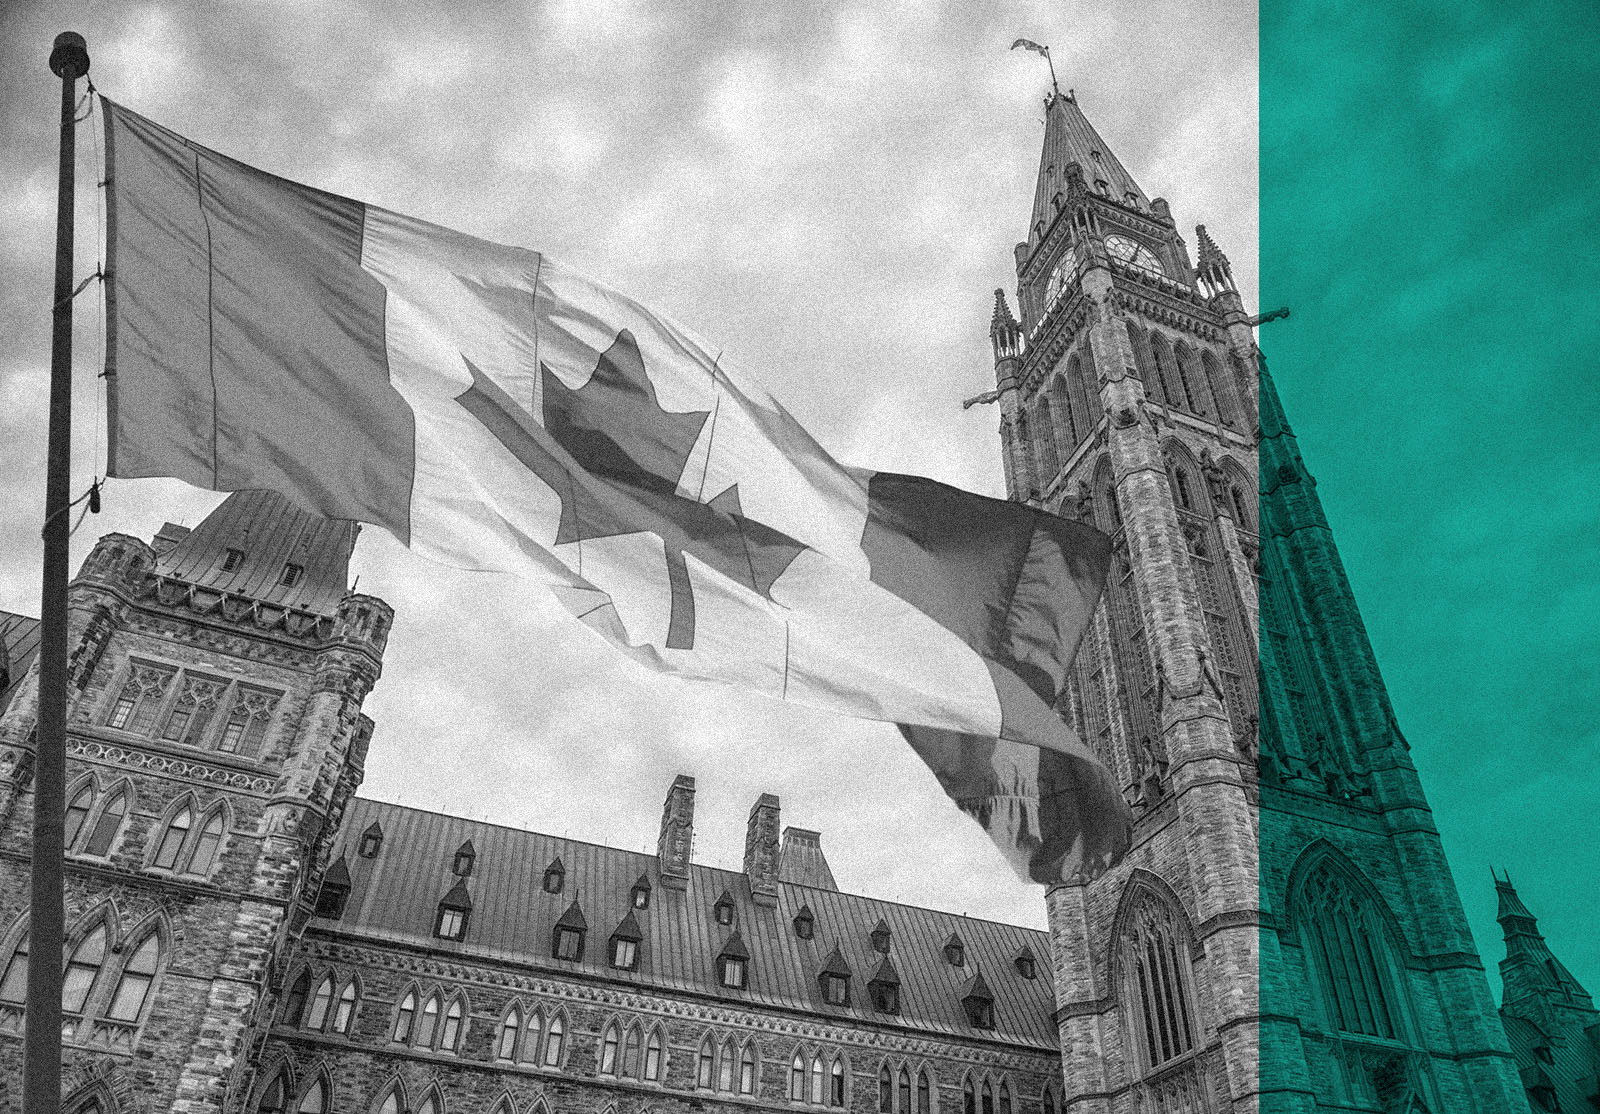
(335,891)
(624,947)
(371,841)
(836,990)
(466,855)
(834,979)
(1102,187)
(291,574)
(955,952)
(978,1004)
(723,909)
(733,964)
(1027,966)
(641,893)
(804,923)
(232,559)
(880,938)
(884,988)
(555,876)
(454,911)
(566,939)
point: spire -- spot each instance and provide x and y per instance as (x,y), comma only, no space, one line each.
(1001,321)
(259,546)
(1212,267)
(1069,138)
(1530,969)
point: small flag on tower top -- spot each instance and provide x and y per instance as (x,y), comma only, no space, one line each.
(494,409)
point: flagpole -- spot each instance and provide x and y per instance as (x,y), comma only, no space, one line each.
(41,1074)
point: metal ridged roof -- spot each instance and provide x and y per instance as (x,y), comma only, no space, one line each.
(1070,138)
(269,532)
(395,897)
(19,645)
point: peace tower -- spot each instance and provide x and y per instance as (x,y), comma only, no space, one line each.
(1287,902)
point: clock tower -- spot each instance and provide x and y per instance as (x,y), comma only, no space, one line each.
(1285,934)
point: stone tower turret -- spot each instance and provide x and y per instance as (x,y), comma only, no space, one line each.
(215,736)
(1285,924)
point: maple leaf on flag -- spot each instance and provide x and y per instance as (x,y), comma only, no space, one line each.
(615,459)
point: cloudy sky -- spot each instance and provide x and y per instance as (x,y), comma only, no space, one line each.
(830,191)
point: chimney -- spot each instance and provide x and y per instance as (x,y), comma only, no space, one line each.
(677,834)
(801,861)
(761,851)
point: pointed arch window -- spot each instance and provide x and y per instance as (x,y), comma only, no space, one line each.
(138,975)
(430,1105)
(172,839)
(405,1019)
(294,1003)
(1047,1103)
(816,1080)
(988,1097)
(107,825)
(705,1073)
(530,1040)
(510,1029)
(554,1042)
(274,1097)
(1158,982)
(1346,943)
(391,1101)
(797,1078)
(652,1056)
(315,1100)
(204,854)
(504,1106)
(320,1001)
(78,812)
(924,1093)
(969,1097)
(747,1070)
(836,1083)
(428,1023)
(87,959)
(725,1066)
(608,1050)
(904,1090)
(450,1037)
(1005,1097)
(885,1090)
(246,725)
(344,1012)
(14,983)
(197,701)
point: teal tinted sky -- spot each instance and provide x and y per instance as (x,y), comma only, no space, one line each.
(1430,186)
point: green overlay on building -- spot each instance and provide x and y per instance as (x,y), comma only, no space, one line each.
(1430,185)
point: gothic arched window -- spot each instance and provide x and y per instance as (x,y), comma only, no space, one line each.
(1066,422)
(391,1102)
(1345,943)
(320,1001)
(885,1090)
(706,1065)
(405,1018)
(203,856)
(554,1041)
(315,1100)
(294,1003)
(609,1044)
(1157,981)
(836,1083)
(107,824)
(511,1028)
(747,1070)
(82,968)
(924,1098)
(725,1068)
(797,1078)
(133,986)
(1191,379)
(969,1098)
(653,1048)
(14,983)
(428,1023)
(274,1096)
(450,1034)
(904,1091)
(1046,457)
(344,1011)
(77,812)
(172,838)
(816,1092)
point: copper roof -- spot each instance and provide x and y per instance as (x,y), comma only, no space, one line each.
(267,534)
(1070,138)
(19,645)
(395,897)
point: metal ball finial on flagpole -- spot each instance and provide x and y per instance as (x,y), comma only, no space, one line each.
(41,1072)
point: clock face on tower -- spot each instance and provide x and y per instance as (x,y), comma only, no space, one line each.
(1056,284)
(1133,253)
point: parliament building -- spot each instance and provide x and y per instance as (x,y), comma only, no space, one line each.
(248,934)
